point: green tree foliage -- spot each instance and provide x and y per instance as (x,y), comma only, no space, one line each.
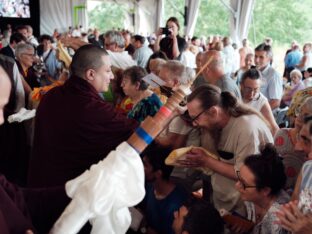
(175,8)
(106,16)
(213,19)
(282,20)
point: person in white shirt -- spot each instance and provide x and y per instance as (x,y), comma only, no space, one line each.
(251,95)
(115,45)
(30,37)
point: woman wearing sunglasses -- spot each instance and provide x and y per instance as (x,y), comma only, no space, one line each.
(260,183)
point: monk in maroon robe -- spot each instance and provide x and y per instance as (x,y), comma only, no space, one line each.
(74,126)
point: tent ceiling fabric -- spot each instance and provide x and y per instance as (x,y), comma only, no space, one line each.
(240,21)
(148,16)
(192,14)
(60,14)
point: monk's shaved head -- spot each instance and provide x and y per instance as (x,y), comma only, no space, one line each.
(5,89)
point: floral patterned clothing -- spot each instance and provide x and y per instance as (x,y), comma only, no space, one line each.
(292,160)
(268,224)
(147,106)
(305,197)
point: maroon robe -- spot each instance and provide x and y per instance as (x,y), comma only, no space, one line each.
(14,214)
(74,129)
(35,209)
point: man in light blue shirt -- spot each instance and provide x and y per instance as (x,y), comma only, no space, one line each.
(142,51)
(272,83)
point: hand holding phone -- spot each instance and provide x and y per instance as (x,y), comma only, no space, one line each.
(166,31)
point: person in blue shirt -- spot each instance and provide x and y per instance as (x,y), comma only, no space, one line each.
(163,197)
(292,59)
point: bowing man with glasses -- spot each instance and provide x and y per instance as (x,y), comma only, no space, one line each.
(235,130)
(260,183)
(251,95)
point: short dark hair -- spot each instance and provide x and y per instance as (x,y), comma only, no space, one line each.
(174,20)
(268,169)
(21,27)
(309,70)
(45,37)
(156,156)
(202,218)
(136,73)
(194,38)
(139,38)
(252,74)
(266,48)
(157,54)
(17,37)
(87,57)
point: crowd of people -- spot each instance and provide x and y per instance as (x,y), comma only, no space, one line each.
(257,123)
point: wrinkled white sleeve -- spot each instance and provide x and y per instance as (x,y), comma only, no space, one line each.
(103,194)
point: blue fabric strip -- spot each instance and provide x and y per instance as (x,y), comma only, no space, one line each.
(144,135)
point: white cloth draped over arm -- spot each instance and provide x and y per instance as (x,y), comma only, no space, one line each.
(103,194)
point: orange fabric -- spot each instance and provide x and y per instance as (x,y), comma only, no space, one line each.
(39,92)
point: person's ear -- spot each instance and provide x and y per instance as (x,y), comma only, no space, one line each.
(176,83)
(213,111)
(90,75)
(115,46)
(266,191)
(137,85)
(158,174)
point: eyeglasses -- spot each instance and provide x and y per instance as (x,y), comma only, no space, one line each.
(299,115)
(240,180)
(190,120)
(31,55)
(256,91)
(109,44)
(197,116)
(250,90)
(307,118)
(163,89)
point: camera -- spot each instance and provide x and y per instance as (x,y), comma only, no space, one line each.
(166,31)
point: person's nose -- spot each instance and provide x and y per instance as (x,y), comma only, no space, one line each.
(298,146)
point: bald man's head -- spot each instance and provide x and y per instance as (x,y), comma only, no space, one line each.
(215,66)
(5,89)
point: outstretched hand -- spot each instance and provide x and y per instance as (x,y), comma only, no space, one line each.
(71,42)
(292,219)
(194,158)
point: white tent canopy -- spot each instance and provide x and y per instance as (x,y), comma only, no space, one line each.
(148,15)
(61,14)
